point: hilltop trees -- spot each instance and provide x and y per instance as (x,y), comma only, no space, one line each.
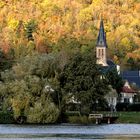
(30,28)
(46,22)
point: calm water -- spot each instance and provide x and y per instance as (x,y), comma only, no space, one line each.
(70,132)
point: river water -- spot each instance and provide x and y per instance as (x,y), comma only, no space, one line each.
(70,132)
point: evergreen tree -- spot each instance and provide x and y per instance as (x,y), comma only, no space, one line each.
(81,82)
(114,79)
(30,27)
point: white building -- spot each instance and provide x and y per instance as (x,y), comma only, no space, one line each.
(127,94)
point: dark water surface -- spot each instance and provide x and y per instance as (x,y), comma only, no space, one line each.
(70,132)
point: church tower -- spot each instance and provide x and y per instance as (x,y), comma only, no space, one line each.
(101,46)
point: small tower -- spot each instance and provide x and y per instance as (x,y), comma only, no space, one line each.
(101,46)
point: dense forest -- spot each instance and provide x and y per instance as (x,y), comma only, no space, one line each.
(50,25)
(47,56)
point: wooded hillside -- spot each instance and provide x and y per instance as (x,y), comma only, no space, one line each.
(50,25)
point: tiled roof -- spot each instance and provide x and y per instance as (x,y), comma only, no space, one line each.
(128,90)
(105,69)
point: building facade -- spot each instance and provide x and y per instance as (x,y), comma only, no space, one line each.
(128,94)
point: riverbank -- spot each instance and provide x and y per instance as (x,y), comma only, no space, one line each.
(123,117)
(129,117)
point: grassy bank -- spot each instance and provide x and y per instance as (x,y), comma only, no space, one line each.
(129,117)
(76,118)
(124,117)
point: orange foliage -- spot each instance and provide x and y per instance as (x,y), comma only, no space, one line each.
(74,18)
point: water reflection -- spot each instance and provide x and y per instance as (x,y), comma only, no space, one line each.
(70,132)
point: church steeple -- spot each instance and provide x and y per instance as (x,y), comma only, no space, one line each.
(101,46)
(101,36)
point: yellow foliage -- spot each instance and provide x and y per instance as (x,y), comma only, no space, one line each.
(2,3)
(12,23)
(126,42)
(97,2)
(75,18)
(85,15)
(115,59)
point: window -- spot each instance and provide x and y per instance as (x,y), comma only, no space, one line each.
(102,52)
(126,100)
(99,52)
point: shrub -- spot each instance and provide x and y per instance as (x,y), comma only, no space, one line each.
(128,107)
(134,107)
(80,120)
(122,106)
(6,118)
(47,113)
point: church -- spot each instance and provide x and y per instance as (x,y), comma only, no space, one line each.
(133,77)
(127,93)
(101,51)
(101,59)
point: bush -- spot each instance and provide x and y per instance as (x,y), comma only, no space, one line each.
(72,113)
(80,120)
(6,118)
(134,107)
(128,107)
(47,113)
(122,106)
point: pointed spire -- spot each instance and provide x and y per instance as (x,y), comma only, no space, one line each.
(101,42)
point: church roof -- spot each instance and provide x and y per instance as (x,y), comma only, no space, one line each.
(110,66)
(110,63)
(106,69)
(101,41)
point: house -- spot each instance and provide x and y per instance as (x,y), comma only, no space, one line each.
(132,78)
(127,94)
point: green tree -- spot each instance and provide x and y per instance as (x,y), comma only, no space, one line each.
(133,63)
(28,88)
(81,82)
(6,61)
(30,28)
(114,79)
